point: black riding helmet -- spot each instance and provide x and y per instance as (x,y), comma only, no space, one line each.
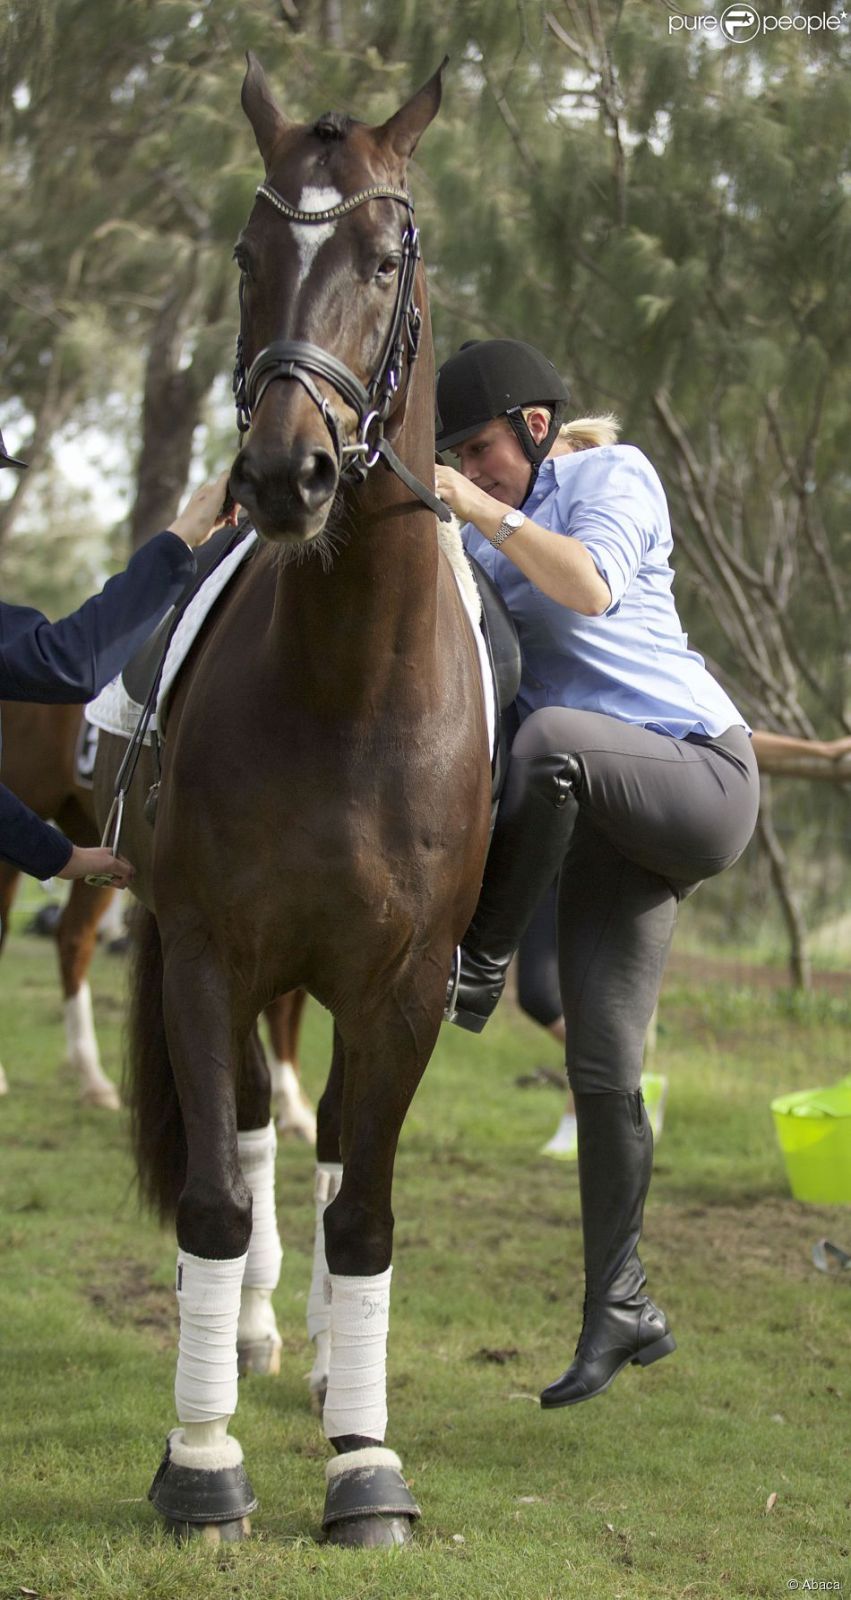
(492,378)
(6,460)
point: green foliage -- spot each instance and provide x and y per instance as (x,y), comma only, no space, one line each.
(668,216)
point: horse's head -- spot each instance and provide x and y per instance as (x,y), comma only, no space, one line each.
(328,328)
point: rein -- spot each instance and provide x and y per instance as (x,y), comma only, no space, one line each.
(302,361)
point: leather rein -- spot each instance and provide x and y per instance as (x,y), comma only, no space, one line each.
(302,361)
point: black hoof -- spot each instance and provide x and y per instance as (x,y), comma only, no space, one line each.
(365,1533)
(367,1501)
(189,1496)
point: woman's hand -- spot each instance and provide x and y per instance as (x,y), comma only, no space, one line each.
(98,863)
(462,496)
(204,512)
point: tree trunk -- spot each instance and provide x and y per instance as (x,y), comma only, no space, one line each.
(800,968)
(171,409)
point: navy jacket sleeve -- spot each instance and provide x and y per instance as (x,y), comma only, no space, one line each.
(27,842)
(73,659)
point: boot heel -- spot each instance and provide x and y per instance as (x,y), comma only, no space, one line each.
(655,1352)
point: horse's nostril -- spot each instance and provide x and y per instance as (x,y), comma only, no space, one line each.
(315,479)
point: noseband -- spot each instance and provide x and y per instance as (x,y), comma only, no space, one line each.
(302,361)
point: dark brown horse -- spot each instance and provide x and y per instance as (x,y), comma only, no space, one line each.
(39,763)
(323,813)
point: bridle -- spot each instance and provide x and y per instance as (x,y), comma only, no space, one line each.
(302,361)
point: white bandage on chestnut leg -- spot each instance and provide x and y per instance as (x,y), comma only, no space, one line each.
(356,1401)
(208,1297)
(329,1176)
(263,1264)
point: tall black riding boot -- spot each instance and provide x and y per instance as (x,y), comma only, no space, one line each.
(533,828)
(619,1323)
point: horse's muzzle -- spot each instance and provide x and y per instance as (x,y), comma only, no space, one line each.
(286,499)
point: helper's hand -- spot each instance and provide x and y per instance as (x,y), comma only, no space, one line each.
(204,512)
(461,496)
(99,867)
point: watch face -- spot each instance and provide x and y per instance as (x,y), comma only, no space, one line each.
(515,519)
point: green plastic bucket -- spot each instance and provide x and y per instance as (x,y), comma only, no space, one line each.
(814,1130)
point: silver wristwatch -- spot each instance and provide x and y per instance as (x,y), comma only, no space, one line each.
(509,525)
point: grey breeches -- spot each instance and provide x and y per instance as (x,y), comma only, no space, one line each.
(655,817)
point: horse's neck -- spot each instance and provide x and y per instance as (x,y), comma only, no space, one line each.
(360,637)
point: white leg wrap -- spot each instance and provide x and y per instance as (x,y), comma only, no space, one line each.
(208,1296)
(83,1053)
(257,1160)
(356,1401)
(329,1176)
(205,1446)
(4,1084)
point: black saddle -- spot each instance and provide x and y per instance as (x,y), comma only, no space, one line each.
(143,669)
(503,647)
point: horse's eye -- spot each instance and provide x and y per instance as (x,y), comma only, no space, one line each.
(242,262)
(388,268)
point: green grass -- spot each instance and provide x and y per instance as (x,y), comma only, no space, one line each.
(658,1489)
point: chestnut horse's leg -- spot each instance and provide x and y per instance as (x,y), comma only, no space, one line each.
(293,1111)
(329,1172)
(386,1052)
(9,876)
(258,1342)
(75,937)
(202,1482)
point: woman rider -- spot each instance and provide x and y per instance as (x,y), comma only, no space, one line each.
(631,772)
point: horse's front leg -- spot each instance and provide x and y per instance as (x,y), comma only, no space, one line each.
(75,938)
(367,1501)
(258,1339)
(329,1174)
(202,1482)
(293,1112)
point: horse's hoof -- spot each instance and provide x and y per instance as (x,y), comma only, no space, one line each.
(210,1532)
(105,1097)
(367,1501)
(193,1495)
(364,1533)
(262,1358)
(317,1397)
(299,1123)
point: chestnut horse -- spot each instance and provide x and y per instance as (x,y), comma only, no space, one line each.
(39,763)
(324,805)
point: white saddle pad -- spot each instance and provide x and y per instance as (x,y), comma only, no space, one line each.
(115,712)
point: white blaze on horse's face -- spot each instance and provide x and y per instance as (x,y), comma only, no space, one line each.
(310,236)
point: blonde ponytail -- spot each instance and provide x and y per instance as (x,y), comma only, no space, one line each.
(586,433)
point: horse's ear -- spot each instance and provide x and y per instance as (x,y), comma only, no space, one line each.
(403,131)
(261,109)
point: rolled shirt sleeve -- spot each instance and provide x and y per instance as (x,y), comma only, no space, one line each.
(615,513)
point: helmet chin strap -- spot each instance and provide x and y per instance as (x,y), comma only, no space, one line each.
(535,454)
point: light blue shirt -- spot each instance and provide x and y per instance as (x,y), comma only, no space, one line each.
(633,662)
